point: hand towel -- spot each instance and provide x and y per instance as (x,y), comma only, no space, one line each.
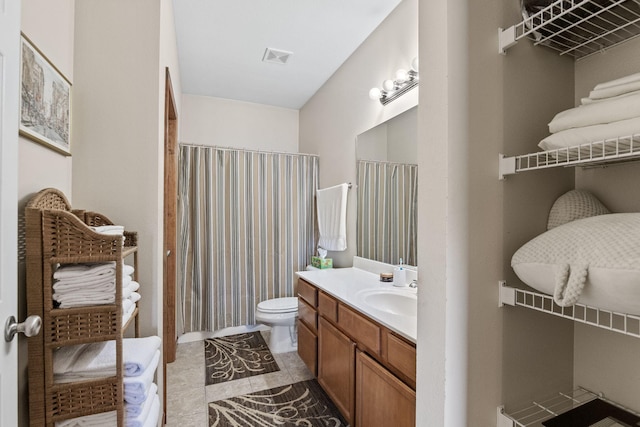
(103,419)
(126,315)
(135,297)
(127,269)
(147,406)
(135,388)
(133,410)
(597,113)
(332,217)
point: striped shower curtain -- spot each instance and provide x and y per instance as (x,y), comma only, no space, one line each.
(246,224)
(387,211)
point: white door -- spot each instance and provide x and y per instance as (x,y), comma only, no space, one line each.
(9,86)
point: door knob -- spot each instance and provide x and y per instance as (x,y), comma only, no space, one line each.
(30,327)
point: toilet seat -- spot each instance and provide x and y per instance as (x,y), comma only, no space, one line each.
(279,305)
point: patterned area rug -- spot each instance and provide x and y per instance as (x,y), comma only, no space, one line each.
(237,356)
(299,404)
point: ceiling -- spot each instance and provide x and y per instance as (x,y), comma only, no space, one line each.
(221,45)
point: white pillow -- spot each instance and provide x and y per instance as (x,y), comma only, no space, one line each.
(593,261)
(572,205)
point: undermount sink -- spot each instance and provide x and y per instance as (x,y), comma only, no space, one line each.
(397,302)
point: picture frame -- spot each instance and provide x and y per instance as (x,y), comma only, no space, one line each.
(45,100)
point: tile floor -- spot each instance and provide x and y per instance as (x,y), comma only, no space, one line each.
(188,397)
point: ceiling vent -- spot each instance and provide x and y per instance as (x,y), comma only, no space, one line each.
(276,56)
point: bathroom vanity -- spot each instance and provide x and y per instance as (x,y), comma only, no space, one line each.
(357,335)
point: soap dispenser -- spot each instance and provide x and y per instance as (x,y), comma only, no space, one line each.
(399,275)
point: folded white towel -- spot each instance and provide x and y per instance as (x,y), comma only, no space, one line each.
(147,407)
(585,101)
(614,91)
(84,299)
(126,315)
(332,217)
(97,360)
(127,269)
(134,286)
(133,410)
(103,419)
(622,80)
(587,134)
(597,113)
(84,270)
(135,388)
(126,305)
(97,282)
(109,229)
(135,297)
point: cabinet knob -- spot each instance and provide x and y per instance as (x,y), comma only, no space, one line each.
(30,327)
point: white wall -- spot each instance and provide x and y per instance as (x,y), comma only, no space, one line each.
(605,361)
(119,161)
(342,109)
(227,123)
(49,24)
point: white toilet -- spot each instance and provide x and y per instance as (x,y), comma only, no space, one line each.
(281,315)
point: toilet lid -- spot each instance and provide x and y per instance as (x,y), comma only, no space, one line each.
(279,305)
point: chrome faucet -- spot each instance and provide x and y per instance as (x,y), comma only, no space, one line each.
(414,283)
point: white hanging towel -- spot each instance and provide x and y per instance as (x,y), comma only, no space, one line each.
(332,217)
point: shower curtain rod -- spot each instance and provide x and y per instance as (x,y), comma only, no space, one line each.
(247,150)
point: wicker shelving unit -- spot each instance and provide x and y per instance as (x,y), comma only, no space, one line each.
(57,235)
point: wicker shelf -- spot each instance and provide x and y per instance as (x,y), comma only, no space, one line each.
(621,149)
(577,28)
(57,235)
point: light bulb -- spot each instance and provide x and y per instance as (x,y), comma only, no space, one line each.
(414,64)
(388,85)
(401,75)
(375,93)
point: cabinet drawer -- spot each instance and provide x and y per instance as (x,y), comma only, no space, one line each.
(308,292)
(307,315)
(402,356)
(362,330)
(328,307)
(308,347)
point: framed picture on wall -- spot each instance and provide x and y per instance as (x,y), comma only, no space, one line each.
(45,100)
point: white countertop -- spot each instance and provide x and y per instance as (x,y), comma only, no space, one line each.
(346,285)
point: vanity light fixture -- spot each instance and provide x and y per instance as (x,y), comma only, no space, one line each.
(393,89)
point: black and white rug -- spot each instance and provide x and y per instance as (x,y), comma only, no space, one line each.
(237,356)
(299,404)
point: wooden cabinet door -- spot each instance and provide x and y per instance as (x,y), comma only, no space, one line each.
(336,367)
(308,347)
(382,400)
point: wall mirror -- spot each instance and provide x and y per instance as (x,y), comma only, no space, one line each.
(387,178)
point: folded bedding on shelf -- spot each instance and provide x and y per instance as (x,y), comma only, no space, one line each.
(104,419)
(133,410)
(136,388)
(95,360)
(148,416)
(585,101)
(614,91)
(620,81)
(597,113)
(587,134)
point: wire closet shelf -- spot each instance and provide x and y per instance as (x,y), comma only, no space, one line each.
(624,148)
(577,28)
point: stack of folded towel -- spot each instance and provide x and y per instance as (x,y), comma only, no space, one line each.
(117,230)
(130,295)
(612,110)
(96,360)
(79,285)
